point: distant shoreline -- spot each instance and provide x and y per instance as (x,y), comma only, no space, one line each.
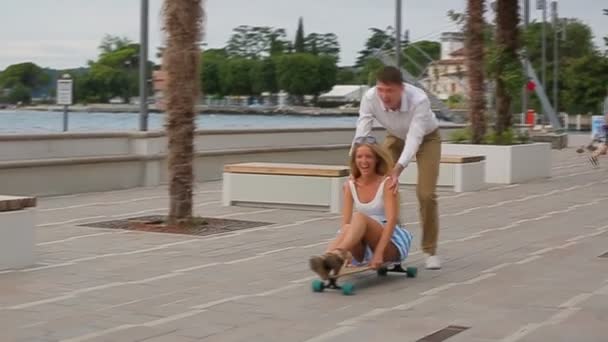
(202,109)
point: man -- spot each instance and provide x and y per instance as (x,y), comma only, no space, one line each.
(412,130)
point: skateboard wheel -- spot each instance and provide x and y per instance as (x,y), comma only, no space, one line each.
(382,271)
(318,285)
(348,289)
(411,272)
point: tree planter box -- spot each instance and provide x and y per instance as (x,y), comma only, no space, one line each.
(17,221)
(508,164)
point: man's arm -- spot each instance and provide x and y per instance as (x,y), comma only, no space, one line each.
(364,122)
(422,119)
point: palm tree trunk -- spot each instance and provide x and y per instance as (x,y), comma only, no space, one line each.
(507,39)
(183,22)
(475,58)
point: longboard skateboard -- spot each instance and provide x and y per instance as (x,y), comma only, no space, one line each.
(347,288)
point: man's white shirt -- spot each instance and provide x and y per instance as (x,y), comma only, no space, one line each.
(411,122)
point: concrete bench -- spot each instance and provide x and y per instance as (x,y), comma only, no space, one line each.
(463,173)
(17,217)
(284,185)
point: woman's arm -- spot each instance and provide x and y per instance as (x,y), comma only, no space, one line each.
(347,204)
(391,212)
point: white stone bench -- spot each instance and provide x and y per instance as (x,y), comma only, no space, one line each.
(284,185)
(463,173)
(17,217)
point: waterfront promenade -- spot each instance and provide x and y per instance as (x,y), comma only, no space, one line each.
(521,262)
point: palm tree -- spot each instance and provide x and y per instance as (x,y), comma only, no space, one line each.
(183,25)
(507,41)
(475,57)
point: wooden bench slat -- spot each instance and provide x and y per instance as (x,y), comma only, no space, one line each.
(10,203)
(457,159)
(291,169)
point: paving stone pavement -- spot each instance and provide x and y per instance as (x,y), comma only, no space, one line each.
(520,263)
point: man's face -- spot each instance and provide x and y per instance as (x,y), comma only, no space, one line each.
(390,94)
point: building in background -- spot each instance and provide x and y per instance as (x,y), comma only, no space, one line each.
(343,94)
(447,77)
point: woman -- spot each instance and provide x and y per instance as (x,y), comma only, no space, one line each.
(370,232)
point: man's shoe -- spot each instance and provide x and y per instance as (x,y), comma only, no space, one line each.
(433,263)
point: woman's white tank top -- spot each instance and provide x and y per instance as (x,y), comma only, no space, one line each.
(373,208)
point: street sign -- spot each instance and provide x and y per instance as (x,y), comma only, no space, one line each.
(64,92)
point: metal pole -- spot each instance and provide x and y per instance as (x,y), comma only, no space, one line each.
(524,92)
(143,65)
(555,52)
(544,45)
(65,118)
(398,32)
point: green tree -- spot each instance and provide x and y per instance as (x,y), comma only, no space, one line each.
(418,52)
(347,76)
(26,74)
(323,44)
(298,74)
(115,73)
(300,43)
(101,83)
(278,43)
(111,43)
(19,94)
(236,76)
(211,65)
(368,71)
(584,82)
(256,41)
(328,73)
(264,75)
(379,40)
(606,38)
(580,84)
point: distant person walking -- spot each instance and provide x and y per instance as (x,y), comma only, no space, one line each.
(413,130)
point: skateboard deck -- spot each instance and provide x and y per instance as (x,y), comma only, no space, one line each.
(349,288)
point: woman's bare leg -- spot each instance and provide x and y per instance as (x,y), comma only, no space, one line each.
(363,229)
(357,251)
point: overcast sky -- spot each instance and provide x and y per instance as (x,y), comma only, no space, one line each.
(66,33)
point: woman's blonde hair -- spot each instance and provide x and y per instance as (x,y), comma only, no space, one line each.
(384,161)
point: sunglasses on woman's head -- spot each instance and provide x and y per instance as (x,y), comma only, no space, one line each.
(365,140)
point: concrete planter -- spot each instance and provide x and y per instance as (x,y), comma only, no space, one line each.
(508,164)
(17,224)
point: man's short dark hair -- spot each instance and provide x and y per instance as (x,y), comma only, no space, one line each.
(390,75)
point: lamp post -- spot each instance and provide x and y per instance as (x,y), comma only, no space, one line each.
(398,32)
(555,20)
(524,93)
(143,65)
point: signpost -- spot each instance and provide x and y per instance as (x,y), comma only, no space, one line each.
(64,96)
